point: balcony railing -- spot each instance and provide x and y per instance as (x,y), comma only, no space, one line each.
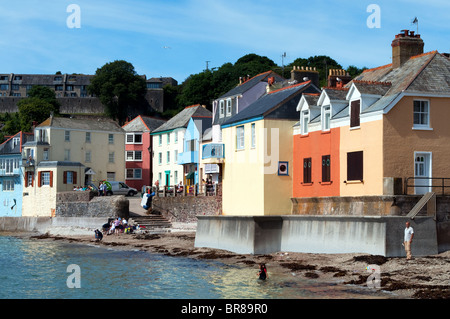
(213,150)
(187,157)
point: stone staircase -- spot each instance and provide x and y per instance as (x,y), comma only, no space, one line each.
(152,222)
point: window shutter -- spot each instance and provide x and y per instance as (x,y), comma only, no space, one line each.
(65,177)
(355,110)
(32,179)
(39,179)
(51,178)
(74,178)
(326,168)
(26,179)
(355,166)
(307,170)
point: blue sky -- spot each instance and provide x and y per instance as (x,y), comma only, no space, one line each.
(176,37)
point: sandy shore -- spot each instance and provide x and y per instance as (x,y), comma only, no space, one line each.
(422,277)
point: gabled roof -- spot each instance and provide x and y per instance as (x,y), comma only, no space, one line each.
(87,124)
(270,102)
(143,123)
(427,73)
(10,147)
(247,85)
(181,120)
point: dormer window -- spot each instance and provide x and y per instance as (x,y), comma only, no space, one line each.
(354,113)
(228,107)
(304,122)
(221,108)
(326,118)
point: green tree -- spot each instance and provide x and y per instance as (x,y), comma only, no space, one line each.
(354,70)
(38,106)
(118,87)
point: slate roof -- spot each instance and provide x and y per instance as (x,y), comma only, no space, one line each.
(269,102)
(87,124)
(8,146)
(247,85)
(182,118)
(143,123)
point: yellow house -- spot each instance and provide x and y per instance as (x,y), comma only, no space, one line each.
(257,179)
(67,153)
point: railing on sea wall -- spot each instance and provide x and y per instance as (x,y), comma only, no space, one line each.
(190,190)
(435,184)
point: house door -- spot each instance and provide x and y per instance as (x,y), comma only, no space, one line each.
(422,173)
(167,178)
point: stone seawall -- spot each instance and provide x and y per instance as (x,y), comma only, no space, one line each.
(84,204)
(185,209)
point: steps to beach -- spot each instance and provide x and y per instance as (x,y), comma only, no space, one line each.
(153,223)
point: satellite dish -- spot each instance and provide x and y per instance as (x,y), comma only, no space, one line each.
(305,78)
(338,79)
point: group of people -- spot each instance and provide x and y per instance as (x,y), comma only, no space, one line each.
(102,188)
(85,188)
(116,227)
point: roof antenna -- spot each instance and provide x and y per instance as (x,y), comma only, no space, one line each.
(416,22)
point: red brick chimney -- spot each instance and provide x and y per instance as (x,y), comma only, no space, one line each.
(405,45)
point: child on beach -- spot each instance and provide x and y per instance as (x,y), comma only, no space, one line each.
(263,272)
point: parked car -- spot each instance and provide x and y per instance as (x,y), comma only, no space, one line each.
(119,188)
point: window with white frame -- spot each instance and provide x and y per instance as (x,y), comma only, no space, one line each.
(45,154)
(228,107)
(45,178)
(160,158)
(175,156)
(133,155)
(69,177)
(111,138)
(8,185)
(240,137)
(326,118)
(134,138)
(221,108)
(176,137)
(176,177)
(67,136)
(160,139)
(421,114)
(168,157)
(304,121)
(168,138)
(134,173)
(253,135)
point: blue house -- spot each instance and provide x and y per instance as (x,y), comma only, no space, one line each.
(190,157)
(11,179)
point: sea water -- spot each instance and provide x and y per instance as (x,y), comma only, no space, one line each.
(36,269)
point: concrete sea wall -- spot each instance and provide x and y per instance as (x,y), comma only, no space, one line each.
(52,225)
(316,234)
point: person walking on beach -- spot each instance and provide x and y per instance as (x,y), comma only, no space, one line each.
(409,234)
(262,272)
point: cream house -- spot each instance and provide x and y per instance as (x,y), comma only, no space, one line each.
(69,152)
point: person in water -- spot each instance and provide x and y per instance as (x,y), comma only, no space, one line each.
(262,272)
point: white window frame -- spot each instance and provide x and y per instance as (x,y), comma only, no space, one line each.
(110,138)
(67,154)
(168,138)
(111,158)
(240,137)
(304,122)
(69,177)
(87,156)
(422,126)
(131,156)
(221,108)
(326,118)
(8,185)
(160,158)
(45,178)
(175,156)
(66,136)
(229,107)
(135,176)
(253,129)
(168,157)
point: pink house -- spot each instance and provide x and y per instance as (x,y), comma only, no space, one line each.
(138,149)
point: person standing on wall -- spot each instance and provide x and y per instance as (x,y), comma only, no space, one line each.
(409,235)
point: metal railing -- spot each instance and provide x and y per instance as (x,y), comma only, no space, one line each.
(190,190)
(439,185)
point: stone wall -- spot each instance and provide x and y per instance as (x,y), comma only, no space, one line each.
(84,204)
(185,208)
